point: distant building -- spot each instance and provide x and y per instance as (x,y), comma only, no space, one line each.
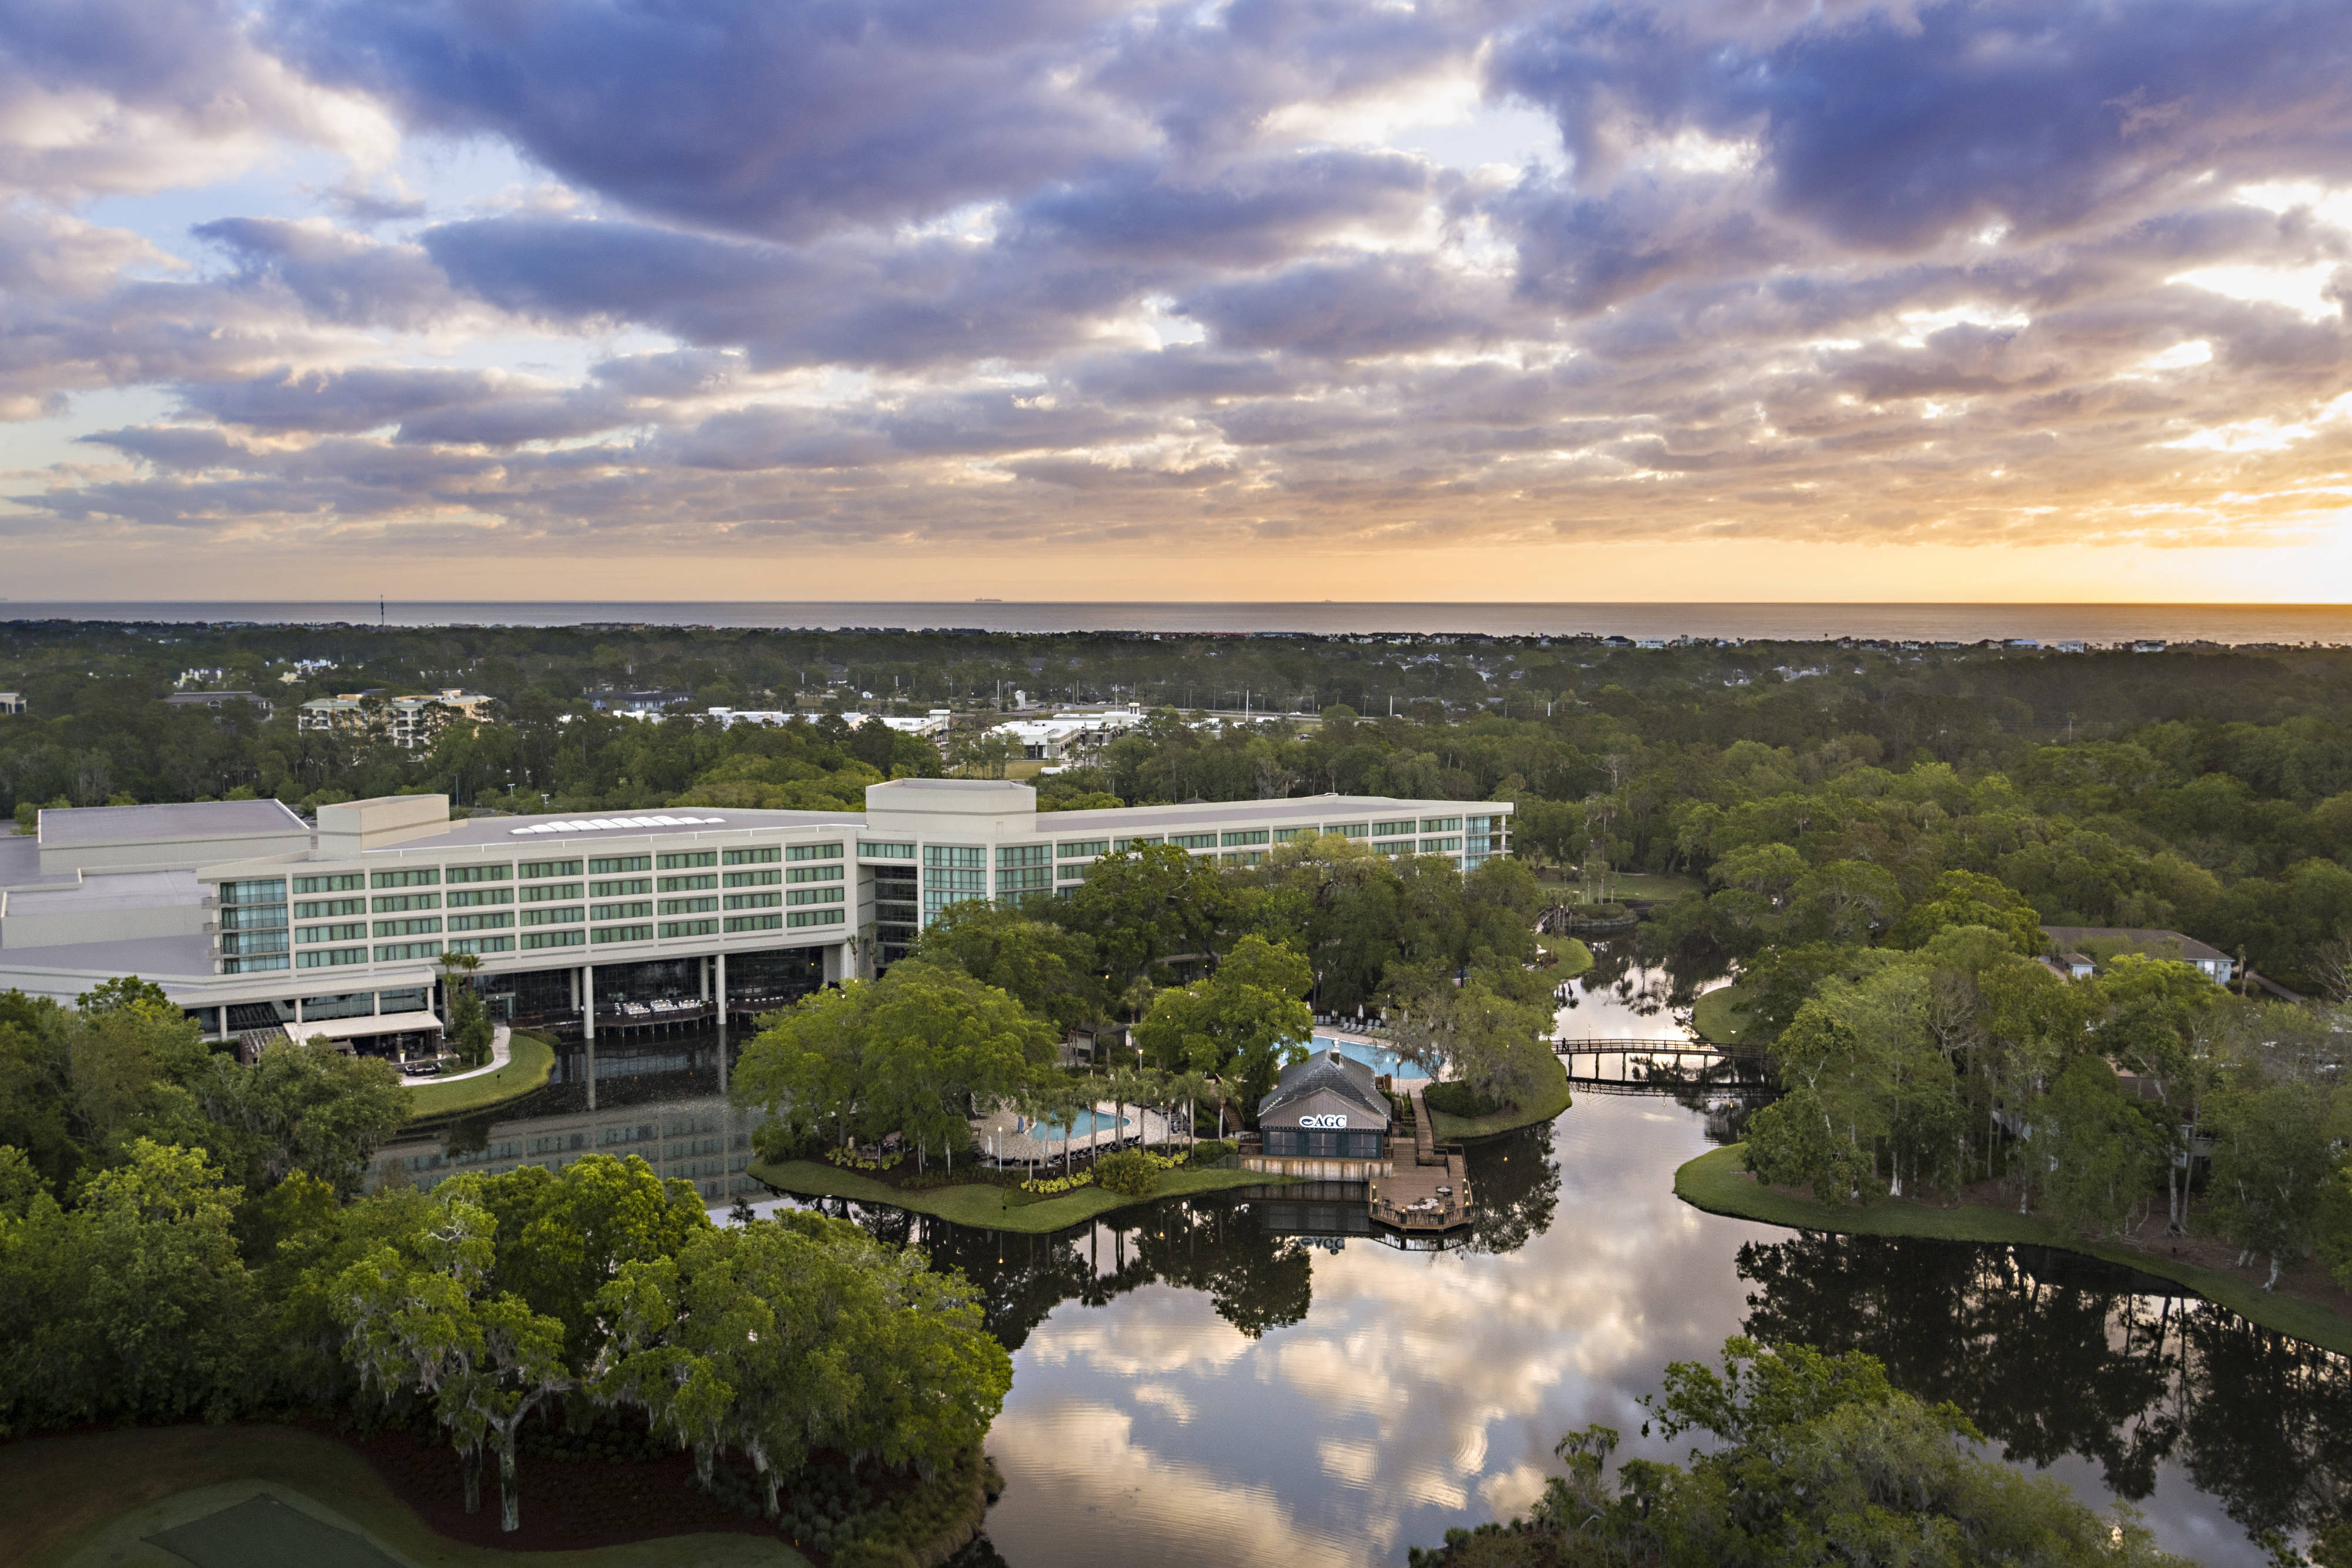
(638,703)
(407,722)
(1069,734)
(12,702)
(2079,950)
(219,699)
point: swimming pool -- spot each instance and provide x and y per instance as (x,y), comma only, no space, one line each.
(1380,1058)
(1086,1124)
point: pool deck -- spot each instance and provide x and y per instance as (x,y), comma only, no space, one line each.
(999,1138)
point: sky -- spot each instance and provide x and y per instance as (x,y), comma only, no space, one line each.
(1269,299)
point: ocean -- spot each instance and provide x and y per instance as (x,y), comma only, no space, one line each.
(2093,623)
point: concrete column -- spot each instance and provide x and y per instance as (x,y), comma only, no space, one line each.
(719,988)
(588,1025)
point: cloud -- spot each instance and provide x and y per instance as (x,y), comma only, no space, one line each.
(1038,273)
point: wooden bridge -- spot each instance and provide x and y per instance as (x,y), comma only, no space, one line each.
(1661,1064)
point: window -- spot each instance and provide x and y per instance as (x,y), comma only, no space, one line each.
(622,934)
(397,902)
(752,857)
(421,876)
(1246,836)
(1025,854)
(1394,846)
(252,966)
(1024,879)
(813,873)
(482,944)
(958,856)
(813,853)
(1348,830)
(342,881)
(253,917)
(394,952)
(755,923)
(1477,824)
(328,908)
(1441,825)
(425,926)
(636,909)
(815,918)
(352,931)
(536,939)
(687,860)
(548,893)
(622,888)
(1123,845)
(499,922)
(753,900)
(1193,840)
(473,898)
(1441,846)
(571,914)
(1083,851)
(814,895)
(403,1001)
(606,866)
(539,871)
(270,891)
(1075,872)
(1285,835)
(331,957)
(249,942)
(752,878)
(688,928)
(688,884)
(1390,829)
(688,905)
(481,873)
(873,851)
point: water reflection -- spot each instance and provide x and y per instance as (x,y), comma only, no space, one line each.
(1633,993)
(660,1100)
(1192,1374)
(2056,1354)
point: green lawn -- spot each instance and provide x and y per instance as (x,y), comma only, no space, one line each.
(984,1206)
(1721,1016)
(1574,957)
(1714,1182)
(528,1061)
(89,1499)
(1450,1128)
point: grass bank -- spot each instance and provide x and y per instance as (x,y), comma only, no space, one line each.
(1543,1107)
(1574,957)
(531,1058)
(1722,1017)
(91,1497)
(984,1206)
(1716,1182)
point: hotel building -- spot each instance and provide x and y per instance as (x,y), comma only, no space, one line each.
(253,919)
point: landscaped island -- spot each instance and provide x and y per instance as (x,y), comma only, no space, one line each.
(995,1205)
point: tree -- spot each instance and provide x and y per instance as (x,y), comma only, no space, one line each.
(1249,1017)
(425,1315)
(1143,906)
(1814,1459)
(469,1021)
(1971,898)
(2272,1156)
(302,1106)
(2158,1018)
(1492,1042)
(1790,1142)
(133,1305)
(1045,969)
(2101,1151)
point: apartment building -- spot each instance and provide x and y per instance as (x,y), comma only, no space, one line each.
(249,917)
(408,722)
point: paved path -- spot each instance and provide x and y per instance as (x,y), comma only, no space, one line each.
(502,1049)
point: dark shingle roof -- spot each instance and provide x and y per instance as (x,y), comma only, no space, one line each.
(1326,1070)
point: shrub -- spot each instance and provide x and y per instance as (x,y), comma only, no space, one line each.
(1131,1173)
(1458,1099)
(1209,1152)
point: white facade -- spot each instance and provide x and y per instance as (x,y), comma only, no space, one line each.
(241,904)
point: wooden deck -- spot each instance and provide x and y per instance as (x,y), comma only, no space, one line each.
(1429,1192)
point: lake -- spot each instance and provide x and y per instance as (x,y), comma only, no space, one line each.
(1250,1379)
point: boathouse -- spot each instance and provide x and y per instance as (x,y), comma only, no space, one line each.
(1327,1119)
